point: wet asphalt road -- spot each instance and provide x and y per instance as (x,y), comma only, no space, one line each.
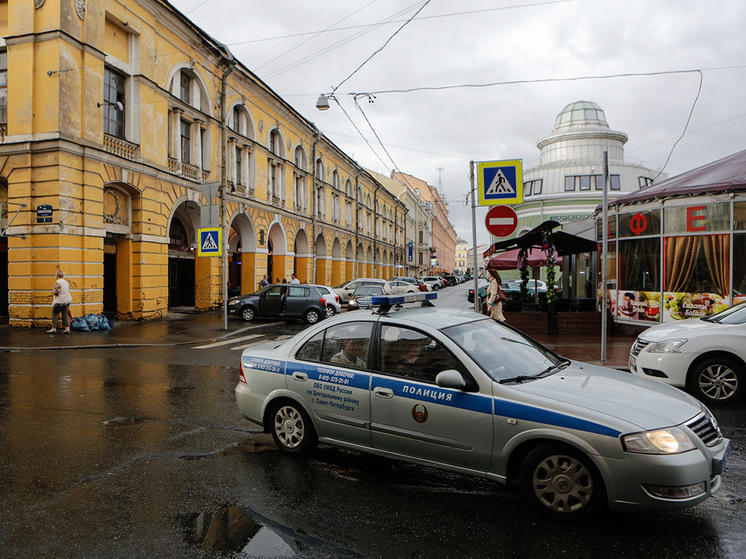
(141,453)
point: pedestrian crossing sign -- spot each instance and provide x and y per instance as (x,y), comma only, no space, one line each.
(209,241)
(500,182)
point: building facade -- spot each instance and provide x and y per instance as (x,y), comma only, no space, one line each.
(568,183)
(677,249)
(462,248)
(439,257)
(125,130)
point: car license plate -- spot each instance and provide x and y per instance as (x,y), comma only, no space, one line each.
(632,364)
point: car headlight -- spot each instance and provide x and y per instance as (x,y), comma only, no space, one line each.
(670,440)
(667,346)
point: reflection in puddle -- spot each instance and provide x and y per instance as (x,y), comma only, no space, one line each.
(232,529)
(123,421)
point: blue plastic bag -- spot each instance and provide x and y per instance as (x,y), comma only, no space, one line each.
(92,321)
(103,323)
(80,324)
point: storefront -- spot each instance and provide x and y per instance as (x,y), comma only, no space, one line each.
(677,250)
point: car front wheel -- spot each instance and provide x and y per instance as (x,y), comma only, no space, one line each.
(248,313)
(717,380)
(292,430)
(312,316)
(561,481)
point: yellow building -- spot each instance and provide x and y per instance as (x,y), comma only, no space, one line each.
(124,129)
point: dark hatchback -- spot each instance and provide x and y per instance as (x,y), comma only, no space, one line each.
(281,301)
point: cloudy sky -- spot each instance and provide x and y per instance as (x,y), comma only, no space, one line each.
(302,48)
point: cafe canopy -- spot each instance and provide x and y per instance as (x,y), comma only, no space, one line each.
(506,254)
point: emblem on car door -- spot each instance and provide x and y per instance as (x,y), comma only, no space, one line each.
(419,413)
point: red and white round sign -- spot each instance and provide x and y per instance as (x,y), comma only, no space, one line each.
(501,221)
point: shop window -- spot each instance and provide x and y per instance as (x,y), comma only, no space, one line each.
(739,216)
(697,218)
(697,264)
(639,264)
(640,223)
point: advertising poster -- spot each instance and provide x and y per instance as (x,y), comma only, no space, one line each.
(680,306)
(640,305)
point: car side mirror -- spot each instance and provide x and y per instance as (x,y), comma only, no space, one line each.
(450,378)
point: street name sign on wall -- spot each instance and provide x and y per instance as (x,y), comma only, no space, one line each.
(209,242)
(500,182)
(501,221)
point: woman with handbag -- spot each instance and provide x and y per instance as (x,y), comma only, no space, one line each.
(495,296)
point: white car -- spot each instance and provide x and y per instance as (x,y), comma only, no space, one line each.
(456,390)
(433,282)
(401,286)
(333,306)
(346,289)
(707,356)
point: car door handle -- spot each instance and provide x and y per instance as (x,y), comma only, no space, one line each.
(297,375)
(383,392)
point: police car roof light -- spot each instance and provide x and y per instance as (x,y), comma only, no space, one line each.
(391,300)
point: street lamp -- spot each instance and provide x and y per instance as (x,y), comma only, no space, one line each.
(322,103)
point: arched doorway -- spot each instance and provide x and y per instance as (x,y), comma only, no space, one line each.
(241,256)
(336,262)
(181,264)
(276,253)
(349,261)
(320,260)
(302,257)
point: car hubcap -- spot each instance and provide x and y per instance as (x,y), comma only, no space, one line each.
(718,382)
(289,427)
(563,484)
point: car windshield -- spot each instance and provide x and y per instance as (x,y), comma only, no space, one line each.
(733,315)
(503,353)
(368,290)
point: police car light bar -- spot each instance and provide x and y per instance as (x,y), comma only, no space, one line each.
(391,300)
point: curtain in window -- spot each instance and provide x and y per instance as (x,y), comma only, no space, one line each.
(681,257)
(717,253)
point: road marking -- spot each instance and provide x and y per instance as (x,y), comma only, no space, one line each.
(242,347)
(227,342)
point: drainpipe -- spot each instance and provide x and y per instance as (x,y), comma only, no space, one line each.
(357,223)
(223,182)
(316,140)
(375,232)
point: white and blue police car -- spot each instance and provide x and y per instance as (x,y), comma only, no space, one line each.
(460,391)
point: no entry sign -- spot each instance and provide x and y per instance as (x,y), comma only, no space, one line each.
(501,221)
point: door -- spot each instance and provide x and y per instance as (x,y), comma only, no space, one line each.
(411,415)
(331,375)
(297,300)
(271,301)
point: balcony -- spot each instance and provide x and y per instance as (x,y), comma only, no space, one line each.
(121,148)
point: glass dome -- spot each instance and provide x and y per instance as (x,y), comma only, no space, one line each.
(581,112)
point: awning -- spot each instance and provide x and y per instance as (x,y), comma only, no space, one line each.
(508,260)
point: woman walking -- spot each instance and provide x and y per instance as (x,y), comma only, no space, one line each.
(61,303)
(495,296)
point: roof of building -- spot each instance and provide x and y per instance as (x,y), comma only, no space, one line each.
(724,175)
(581,112)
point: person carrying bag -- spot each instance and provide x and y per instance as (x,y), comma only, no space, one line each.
(495,296)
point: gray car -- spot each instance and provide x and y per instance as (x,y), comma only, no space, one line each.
(459,391)
(283,300)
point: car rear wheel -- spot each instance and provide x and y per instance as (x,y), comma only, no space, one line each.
(435,287)
(312,316)
(562,482)
(292,430)
(717,380)
(248,313)
(330,311)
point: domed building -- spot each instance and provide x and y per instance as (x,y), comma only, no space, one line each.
(568,183)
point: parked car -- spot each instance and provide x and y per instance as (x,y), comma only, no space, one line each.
(363,296)
(531,285)
(401,286)
(414,281)
(451,280)
(346,289)
(433,282)
(333,306)
(706,356)
(458,391)
(282,300)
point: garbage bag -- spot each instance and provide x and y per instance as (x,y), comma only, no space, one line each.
(80,323)
(92,321)
(103,323)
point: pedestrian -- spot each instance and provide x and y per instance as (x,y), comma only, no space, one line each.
(495,296)
(264,282)
(61,303)
(294,280)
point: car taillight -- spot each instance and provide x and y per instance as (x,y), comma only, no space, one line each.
(337,298)
(241,376)
(322,301)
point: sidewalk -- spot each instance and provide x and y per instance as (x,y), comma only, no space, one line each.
(184,328)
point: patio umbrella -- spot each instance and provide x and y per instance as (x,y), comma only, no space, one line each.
(508,260)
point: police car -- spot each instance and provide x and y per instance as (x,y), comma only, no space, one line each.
(457,390)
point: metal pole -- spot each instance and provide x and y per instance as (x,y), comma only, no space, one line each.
(604,257)
(474,236)
(223,184)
